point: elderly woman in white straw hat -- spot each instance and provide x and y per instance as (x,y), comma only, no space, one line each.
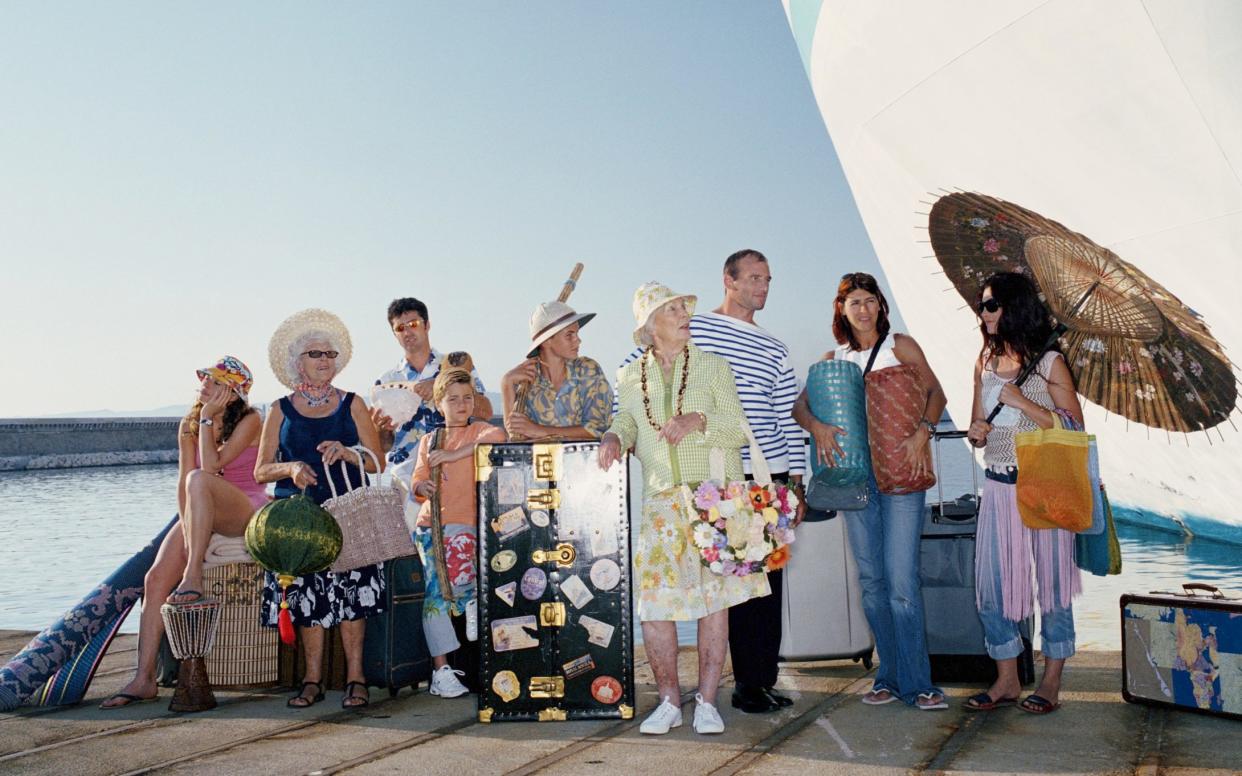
(675,403)
(306,433)
(568,396)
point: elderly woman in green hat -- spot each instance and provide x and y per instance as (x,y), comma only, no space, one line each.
(567,396)
(675,403)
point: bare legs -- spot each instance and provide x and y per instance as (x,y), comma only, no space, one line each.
(1007,684)
(313,637)
(159,581)
(212,505)
(660,641)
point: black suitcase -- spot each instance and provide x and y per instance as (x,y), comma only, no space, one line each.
(947,571)
(1183,650)
(394,654)
(556,634)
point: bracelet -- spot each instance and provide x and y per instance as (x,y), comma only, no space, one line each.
(703,415)
(206,422)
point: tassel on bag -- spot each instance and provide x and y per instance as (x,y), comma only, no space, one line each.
(284,622)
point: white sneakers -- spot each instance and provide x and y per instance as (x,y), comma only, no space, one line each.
(444,682)
(667,716)
(706,718)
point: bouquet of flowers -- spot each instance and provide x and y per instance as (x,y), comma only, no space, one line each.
(741,528)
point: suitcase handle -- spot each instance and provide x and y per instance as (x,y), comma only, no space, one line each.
(1191,587)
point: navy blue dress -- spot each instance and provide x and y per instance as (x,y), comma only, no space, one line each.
(325,598)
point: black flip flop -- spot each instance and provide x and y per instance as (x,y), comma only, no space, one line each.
(130,700)
(1038,704)
(311,701)
(349,695)
(198,596)
(983,702)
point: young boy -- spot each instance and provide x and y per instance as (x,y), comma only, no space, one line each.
(445,468)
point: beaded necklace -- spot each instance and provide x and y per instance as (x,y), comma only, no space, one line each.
(681,390)
(316,396)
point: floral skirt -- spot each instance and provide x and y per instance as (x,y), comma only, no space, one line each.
(673,584)
(327,598)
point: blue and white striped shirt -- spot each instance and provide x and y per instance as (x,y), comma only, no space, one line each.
(766,384)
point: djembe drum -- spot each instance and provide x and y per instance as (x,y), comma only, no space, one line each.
(191,629)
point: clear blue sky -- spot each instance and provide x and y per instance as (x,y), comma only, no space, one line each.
(176,178)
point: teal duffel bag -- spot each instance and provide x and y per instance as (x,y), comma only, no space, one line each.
(837,396)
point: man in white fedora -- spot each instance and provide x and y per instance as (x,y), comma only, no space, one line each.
(565,396)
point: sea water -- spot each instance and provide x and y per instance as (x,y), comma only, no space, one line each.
(66,530)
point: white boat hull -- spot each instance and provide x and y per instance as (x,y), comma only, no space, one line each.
(1122,119)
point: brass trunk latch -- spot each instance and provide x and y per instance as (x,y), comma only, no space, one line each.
(562,554)
(547,687)
(552,614)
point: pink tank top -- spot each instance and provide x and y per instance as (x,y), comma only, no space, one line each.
(240,472)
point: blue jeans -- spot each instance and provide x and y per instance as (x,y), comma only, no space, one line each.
(884,539)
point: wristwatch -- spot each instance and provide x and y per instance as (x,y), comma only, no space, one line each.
(931,427)
(206,422)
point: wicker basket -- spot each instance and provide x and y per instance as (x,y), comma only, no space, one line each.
(245,653)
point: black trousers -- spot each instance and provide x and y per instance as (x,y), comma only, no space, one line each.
(755,631)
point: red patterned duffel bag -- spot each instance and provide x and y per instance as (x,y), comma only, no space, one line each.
(896,400)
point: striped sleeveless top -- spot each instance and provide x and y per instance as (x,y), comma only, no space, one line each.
(999,452)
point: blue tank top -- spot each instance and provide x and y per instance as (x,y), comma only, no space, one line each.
(300,435)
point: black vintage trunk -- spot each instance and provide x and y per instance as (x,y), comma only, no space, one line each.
(556,636)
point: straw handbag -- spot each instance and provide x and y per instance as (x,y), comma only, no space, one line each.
(372,520)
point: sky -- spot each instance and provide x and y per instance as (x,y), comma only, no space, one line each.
(177,178)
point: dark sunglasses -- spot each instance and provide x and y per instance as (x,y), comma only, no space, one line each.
(990,305)
(417,323)
(321,353)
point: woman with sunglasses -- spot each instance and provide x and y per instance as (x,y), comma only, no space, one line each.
(305,437)
(1015,325)
(885,536)
(216,493)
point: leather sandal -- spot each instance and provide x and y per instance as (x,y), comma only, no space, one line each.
(983,702)
(350,695)
(301,701)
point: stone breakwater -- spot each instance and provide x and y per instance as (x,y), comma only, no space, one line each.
(63,443)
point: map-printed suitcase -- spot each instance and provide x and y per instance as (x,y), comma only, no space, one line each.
(1183,650)
(556,636)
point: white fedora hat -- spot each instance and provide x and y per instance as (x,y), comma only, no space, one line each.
(549,319)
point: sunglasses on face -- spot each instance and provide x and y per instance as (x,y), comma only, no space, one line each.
(417,323)
(321,353)
(989,305)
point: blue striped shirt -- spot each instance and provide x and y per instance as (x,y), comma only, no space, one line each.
(766,384)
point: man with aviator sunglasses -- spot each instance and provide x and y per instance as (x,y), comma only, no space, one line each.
(420,364)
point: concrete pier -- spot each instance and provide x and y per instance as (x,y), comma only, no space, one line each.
(827,731)
(60,443)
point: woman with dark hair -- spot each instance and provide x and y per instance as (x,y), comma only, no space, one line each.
(216,493)
(1015,326)
(884,537)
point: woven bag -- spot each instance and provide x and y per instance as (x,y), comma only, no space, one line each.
(896,401)
(372,520)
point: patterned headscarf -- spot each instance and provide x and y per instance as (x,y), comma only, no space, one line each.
(232,372)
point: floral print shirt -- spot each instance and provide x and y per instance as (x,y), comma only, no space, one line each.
(584,399)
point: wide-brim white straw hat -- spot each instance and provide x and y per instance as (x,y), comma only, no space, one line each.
(650,297)
(551,318)
(279,349)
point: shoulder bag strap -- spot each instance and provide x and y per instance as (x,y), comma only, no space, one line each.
(875,351)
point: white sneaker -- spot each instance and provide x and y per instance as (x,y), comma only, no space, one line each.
(706,718)
(444,682)
(666,717)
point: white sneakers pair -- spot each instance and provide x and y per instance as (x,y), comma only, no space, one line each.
(667,716)
(444,682)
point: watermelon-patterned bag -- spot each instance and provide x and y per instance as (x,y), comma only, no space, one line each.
(896,401)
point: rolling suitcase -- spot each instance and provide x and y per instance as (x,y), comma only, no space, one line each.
(394,654)
(1183,650)
(821,615)
(947,571)
(556,637)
